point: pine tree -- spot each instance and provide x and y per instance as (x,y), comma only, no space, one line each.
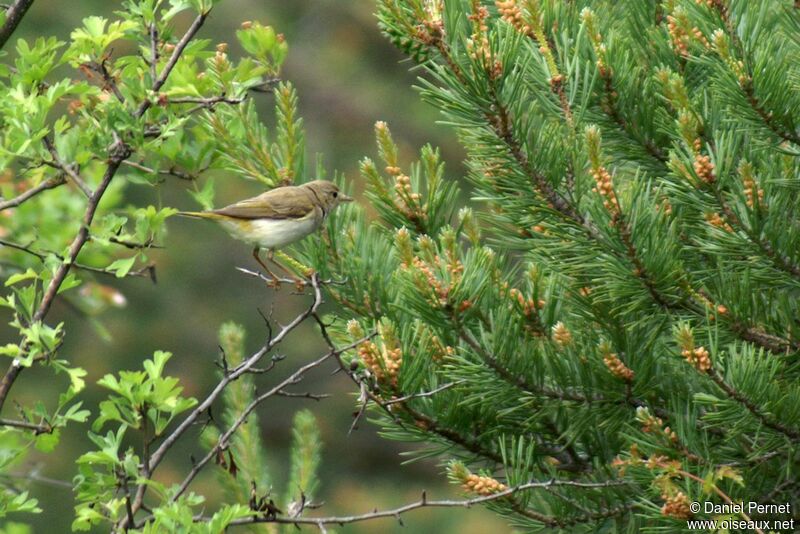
(608,330)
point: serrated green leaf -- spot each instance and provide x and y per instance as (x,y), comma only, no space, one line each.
(122,266)
(29,274)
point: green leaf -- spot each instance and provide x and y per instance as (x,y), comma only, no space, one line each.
(205,196)
(76,375)
(70,281)
(9,502)
(10,349)
(122,266)
(47,442)
(29,274)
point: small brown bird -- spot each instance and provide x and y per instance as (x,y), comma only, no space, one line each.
(278,217)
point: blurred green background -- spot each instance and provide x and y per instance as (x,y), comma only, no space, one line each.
(347,77)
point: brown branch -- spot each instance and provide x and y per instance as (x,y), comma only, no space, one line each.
(14,15)
(153,52)
(145,272)
(266,86)
(767,117)
(518,380)
(67,169)
(128,508)
(304,395)
(50,183)
(611,109)
(172,171)
(780,261)
(173,60)
(425,503)
(119,151)
(202,102)
(108,79)
(232,374)
(222,442)
(206,102)
(37,428)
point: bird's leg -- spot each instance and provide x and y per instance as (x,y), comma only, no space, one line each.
(298,282)
(275,279)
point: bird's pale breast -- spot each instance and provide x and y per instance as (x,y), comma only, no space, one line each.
(271,233)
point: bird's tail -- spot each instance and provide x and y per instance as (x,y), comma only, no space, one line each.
(198,214)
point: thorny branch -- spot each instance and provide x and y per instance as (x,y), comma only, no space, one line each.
(233,373)
(292,379)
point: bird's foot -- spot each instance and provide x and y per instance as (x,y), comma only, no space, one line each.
(269,279)
(274,283)
(300,284)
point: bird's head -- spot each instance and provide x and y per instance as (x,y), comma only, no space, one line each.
(327,193)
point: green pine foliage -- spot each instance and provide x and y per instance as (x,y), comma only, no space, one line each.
(243,459)
(306,456)
(618,303)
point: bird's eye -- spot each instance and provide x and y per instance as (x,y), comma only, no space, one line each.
(335,194)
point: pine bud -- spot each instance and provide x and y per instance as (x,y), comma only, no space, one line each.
(561,334)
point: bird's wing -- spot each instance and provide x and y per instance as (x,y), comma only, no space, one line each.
(282,203)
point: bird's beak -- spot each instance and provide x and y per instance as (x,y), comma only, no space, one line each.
(344,198)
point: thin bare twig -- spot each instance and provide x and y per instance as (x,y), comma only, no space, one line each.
(423,394)
(37,428)
(147,271)
(67,169)
(50,183)
(425,503)
(222,442)
(33,477)
(301,282)
(172,171)
(304,395)
(153,52)
(108,79)
(266,87)
(205,102)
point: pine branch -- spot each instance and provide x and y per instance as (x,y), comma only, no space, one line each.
(766,420)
